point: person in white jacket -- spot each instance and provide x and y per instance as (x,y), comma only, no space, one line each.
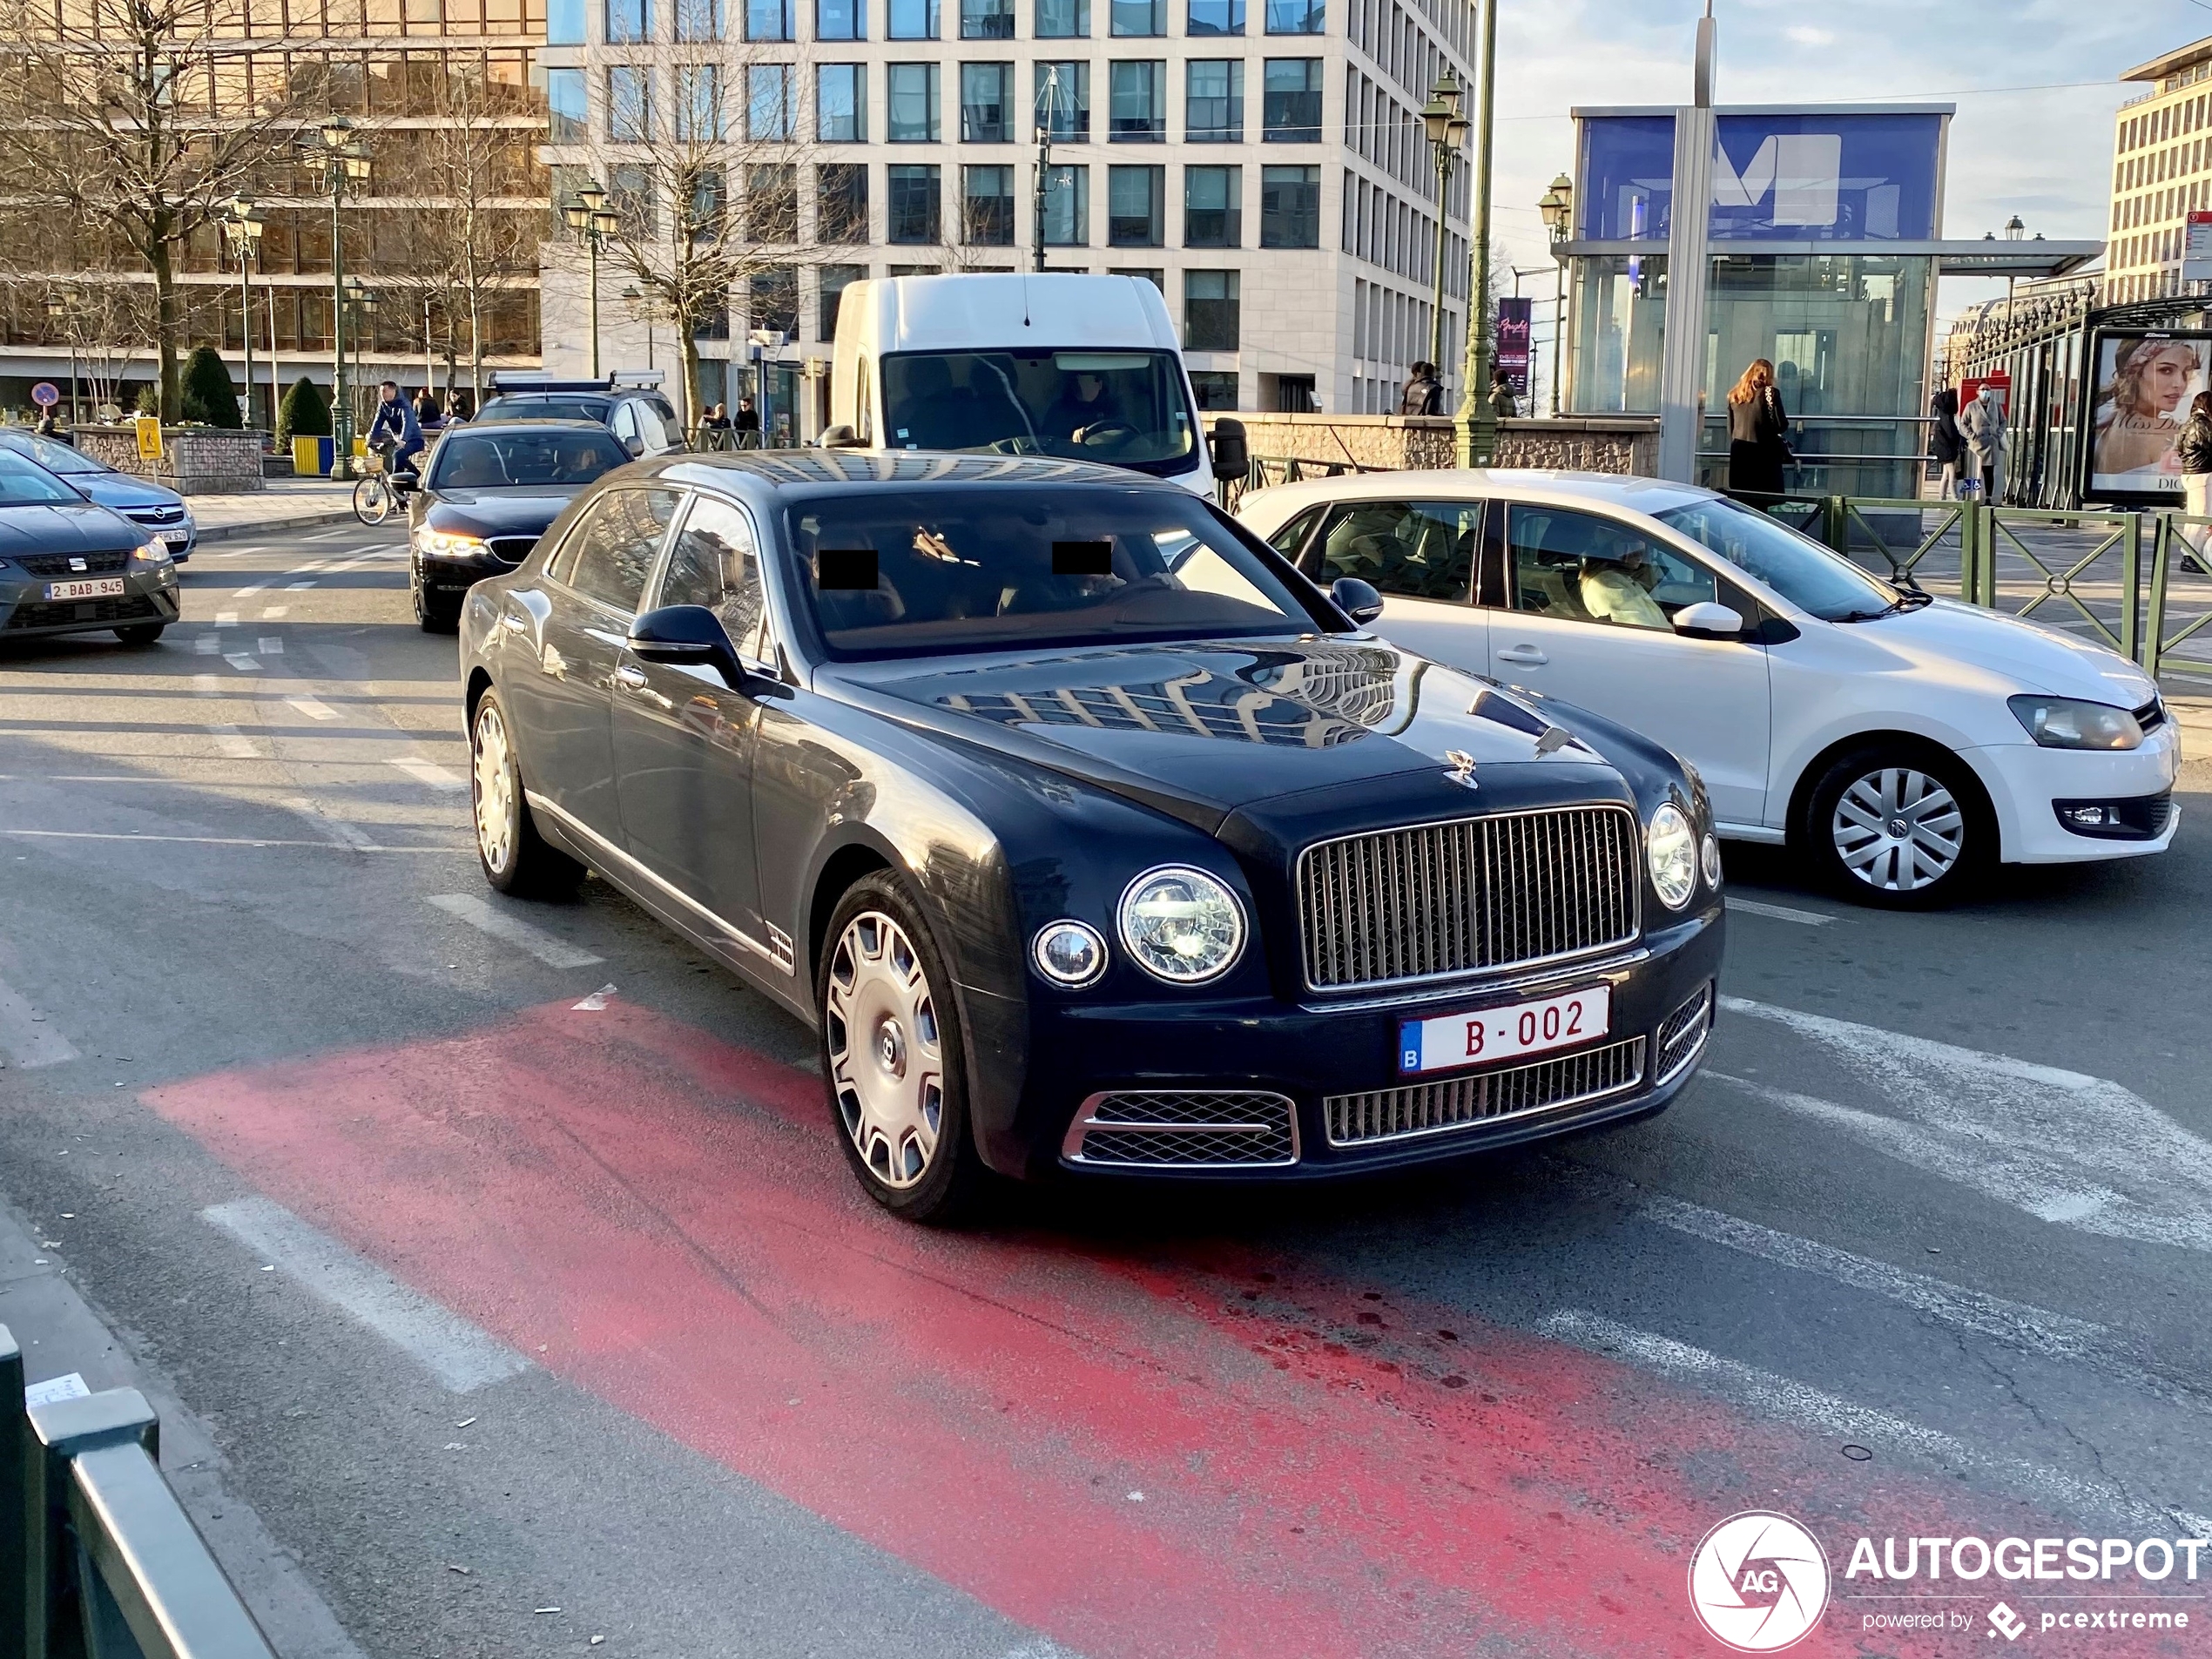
(1982,423)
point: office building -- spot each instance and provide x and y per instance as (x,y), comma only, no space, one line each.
(2161,171)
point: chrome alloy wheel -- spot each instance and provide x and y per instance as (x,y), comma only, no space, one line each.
(492,787)
(1899,830)
(887,1060)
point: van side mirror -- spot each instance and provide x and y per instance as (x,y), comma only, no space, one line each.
(1708,621)
(687,634)
(1231,460)
(1357,599)
(840,437)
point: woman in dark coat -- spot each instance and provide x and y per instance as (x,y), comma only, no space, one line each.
(1756,421)
(1944,442)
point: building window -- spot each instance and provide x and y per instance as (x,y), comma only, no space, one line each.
(1210,311)
(1135,207)
(698,20)
(841,202)
(986,206)
(840,19)
(911,20)
(1216,18)
(987,19)
(768,102)
(912,106)
(1062,102)
(565,27)
(710,203)
(1293,113)
(1216,389)
(835,279)
(983,114)
(773,302)
(917,209)
(1063,19)
(1296,17)
(1289,207)
(1213,107)
(1139,93)
(768,20)
(841,103)
(568,117)
(772,202)
(1067,207)
(699,103)
(629,103)
(1147,18)
(630,193)
(629,20)
(1213,206)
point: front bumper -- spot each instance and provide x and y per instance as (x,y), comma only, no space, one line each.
(444,576)
(2024,781)
(1330,1064)
(25,612)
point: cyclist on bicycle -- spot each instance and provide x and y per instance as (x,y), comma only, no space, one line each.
(395,415)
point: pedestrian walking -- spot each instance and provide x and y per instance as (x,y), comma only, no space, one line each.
(1982,424)
(1424,393)
(2193,448)
(1758,426)
(1945,442)
(1502,402)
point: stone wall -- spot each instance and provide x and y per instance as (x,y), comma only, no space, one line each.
(1392,442)
(195,460)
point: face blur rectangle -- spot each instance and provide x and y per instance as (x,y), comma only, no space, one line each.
(846,569)
(1083,558)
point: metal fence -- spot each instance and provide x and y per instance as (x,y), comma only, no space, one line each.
(97,1559)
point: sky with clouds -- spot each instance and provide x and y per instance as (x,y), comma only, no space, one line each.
(2044,153)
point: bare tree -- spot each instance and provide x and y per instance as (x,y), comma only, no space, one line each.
(144,115)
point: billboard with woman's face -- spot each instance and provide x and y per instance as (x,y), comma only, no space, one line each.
(2144,386)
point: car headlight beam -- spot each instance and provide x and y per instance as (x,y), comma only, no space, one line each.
(1182,924)
(2071,723)
(449,545)
(153,552)
(1671,851)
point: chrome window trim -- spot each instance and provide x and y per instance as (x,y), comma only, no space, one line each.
(1085,1119)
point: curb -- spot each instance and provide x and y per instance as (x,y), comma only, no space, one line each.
(270,526)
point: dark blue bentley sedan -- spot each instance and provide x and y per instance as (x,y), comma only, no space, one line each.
(1092,838)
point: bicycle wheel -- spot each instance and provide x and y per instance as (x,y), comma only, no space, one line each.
(372,500)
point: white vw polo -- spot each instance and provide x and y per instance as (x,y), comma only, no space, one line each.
(1904,743)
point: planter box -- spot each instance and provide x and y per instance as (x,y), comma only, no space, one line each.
(195,460)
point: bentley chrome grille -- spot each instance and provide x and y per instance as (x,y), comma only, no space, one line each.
(1509,890)
(1483,1097)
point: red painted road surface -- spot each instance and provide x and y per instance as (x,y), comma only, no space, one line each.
(664,1220)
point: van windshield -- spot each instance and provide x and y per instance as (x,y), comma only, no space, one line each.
(1126,408)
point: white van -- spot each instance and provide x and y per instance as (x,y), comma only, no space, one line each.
(1022,363)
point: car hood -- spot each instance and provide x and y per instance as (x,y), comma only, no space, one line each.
(122,490)
(69,527)
(1201,730)
(513,510)
(2039,656)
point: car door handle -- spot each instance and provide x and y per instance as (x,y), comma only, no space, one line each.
(1524,656)
(634,678)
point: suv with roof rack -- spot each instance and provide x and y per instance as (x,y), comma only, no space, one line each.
(630,404)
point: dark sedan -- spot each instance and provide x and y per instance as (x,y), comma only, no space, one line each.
(71,566)
(1090,837)
(159,508)
(486,496)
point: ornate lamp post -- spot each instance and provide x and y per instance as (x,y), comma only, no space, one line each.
(588,215)
(344,160)
(242,230)
(1448,131)
(1557,206)
(1477,422)
(58,313)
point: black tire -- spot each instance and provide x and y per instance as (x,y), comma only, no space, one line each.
(374,500)
(1901,827)
(140,633)
(896,1044)
(429,616)
(515,857)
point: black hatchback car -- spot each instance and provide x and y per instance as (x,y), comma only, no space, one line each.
(1090,835)
(71,566)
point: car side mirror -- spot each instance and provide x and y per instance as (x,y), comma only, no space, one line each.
(687,634)
(840,436)
(1232,459)
(1357,599)
(636,445)
(1708,621)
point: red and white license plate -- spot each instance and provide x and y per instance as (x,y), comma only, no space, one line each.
(1460,1040)
(103,587)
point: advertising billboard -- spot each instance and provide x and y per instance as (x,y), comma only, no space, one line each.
(2142,383)
(1513,315)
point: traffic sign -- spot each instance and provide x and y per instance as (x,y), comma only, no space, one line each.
(45,395)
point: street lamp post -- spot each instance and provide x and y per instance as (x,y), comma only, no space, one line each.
(1447,131)
(588,216)
(1557,206)
(343,160)
(242,230)
(1477,421)
(57,312)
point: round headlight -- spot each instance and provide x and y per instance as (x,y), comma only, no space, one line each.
(1069,953)
(1712,861)
(1670,848)
(1182,924)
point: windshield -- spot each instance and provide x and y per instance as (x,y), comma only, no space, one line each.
(1125,407)
(987,567)
(493,460)
(546,409)
(23,484)
(51,452)
(1806,573)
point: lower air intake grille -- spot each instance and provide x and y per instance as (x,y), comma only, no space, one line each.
(1485,1097)
(1682,1032)
(1185,1129)
(89,611)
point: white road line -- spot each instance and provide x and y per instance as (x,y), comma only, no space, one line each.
(271,646)
(1778,911)
(244,593)
(226,619)
(234,743)
(2065,1147)
(485,918)
(208,644)
(1770,1394)
(312,709)
(308,568)
(206,684)
(27,1037)
(340,831)
(270,613)
(217,840)
(244,664)
(427,772)
(294,587)
(461,1357)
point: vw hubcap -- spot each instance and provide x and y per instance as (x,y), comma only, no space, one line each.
(491,781)
(887,1063)
(1899,830)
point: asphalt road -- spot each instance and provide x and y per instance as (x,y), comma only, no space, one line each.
(493,1316)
